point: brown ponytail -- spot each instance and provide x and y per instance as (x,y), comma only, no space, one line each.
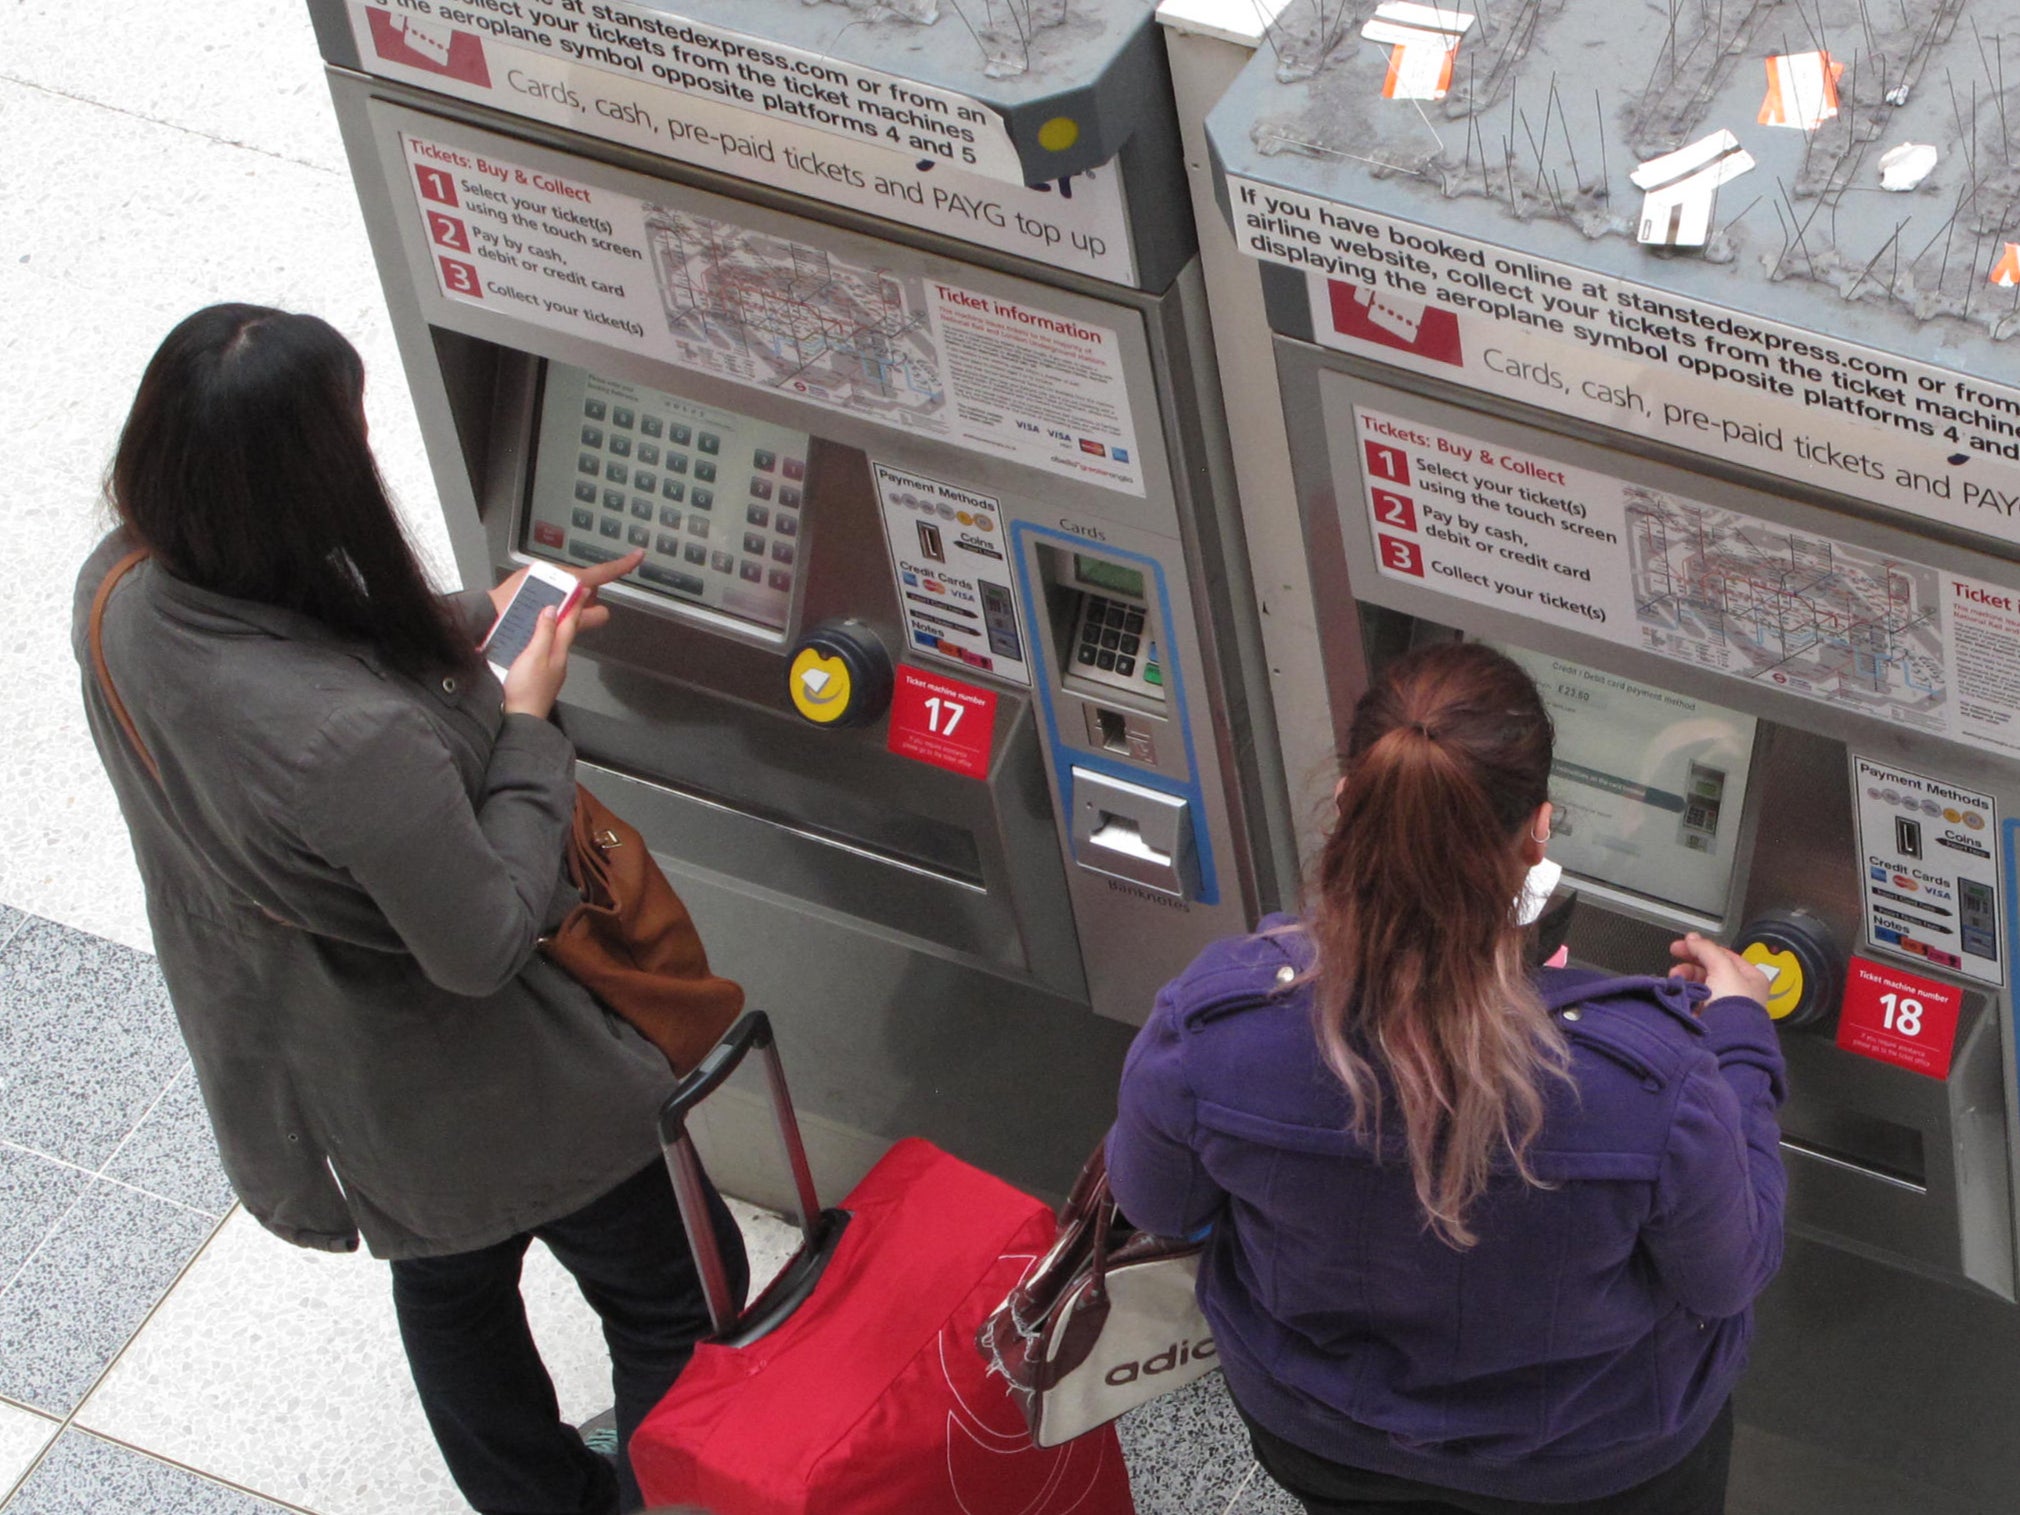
(1420,968)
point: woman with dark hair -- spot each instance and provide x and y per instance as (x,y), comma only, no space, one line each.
(351,839)
(1483,1239)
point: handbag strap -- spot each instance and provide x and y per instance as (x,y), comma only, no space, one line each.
(110,582)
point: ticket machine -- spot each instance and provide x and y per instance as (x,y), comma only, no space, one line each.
(1640,352)
(937,690)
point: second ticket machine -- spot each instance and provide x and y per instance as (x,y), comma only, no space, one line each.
(937,689)
(1693,392)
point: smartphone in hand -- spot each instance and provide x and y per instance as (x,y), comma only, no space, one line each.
(544,585)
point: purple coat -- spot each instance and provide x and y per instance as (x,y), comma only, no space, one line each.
(1589,1339)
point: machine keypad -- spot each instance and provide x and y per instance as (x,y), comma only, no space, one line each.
(658,476)
(1110,639)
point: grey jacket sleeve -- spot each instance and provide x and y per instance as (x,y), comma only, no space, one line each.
(465,885)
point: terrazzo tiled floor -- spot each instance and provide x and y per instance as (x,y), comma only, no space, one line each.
(159,1352)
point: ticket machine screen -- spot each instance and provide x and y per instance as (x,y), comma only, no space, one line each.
(717,500)
(1648,783)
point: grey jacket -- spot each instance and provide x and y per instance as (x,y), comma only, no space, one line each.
(391,1056)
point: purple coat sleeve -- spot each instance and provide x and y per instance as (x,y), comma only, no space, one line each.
(1153,1169)
(1716,1234)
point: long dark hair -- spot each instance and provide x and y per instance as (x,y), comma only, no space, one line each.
(1420,966)
(243,467)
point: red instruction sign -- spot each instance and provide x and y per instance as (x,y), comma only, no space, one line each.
(943,721)
(1899,1018)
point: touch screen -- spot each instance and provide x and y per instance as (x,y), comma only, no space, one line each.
(1648,783)
(717,500)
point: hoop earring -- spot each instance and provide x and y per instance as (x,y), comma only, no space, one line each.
(1540,841)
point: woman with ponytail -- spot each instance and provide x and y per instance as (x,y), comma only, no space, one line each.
(1484,1239)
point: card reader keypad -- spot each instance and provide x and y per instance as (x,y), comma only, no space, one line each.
(656,471)
(1113,643)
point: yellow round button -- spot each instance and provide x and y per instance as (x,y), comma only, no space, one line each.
(1785,977)
(1058,134)
(820,686)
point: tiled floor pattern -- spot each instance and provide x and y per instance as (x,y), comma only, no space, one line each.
(163,1353)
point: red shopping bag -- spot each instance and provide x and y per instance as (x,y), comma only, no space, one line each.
(870,1399)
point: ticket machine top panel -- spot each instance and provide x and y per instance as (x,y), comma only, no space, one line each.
(1555,116)
(1718,228)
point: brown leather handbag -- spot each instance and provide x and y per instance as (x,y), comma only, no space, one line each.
(632,944)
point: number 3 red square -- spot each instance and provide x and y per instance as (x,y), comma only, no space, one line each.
(461,279)
(1399,556)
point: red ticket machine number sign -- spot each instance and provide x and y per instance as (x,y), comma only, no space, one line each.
(1899,1018)
(943,721)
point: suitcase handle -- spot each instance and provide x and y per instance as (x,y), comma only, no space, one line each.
(820,1230)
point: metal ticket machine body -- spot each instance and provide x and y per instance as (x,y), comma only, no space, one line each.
(1612,348)
(937,691)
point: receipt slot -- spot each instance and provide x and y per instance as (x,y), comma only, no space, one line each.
(939,692)
(1624,383)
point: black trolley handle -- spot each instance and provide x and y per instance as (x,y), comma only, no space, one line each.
(820,1230)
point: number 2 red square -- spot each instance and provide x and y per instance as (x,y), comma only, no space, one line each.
(1396,510)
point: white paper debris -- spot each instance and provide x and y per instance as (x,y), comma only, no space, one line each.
(1906,166)
(1683,189)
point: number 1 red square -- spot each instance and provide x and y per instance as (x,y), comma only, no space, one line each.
(1386,462)
(436,186)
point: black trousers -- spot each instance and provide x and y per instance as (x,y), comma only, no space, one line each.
(1695,1486)
(487,1395)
